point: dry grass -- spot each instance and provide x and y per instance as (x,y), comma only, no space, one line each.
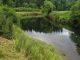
(7,51)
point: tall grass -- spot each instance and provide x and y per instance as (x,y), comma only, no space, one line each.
(34,49)
(8,52)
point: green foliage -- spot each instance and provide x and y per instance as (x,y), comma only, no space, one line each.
(7,18)
(48,6)
(23,9)
(61,16)
(75,15)
(7,2)
(23,3)
(62,5)
(76,11)
(25,15)
(76,6)
(59,4)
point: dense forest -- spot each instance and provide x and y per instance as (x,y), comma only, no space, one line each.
(59,4)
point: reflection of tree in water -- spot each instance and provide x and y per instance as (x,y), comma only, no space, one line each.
(76,38)
(41,25)
(78,50)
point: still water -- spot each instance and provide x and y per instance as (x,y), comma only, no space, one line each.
(66,39)
(61,41)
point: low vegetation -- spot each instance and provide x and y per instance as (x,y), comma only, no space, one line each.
(25,15)
(61,16)
(23,9)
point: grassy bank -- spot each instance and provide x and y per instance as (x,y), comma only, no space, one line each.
(24,47)
(34,49)
(62,16)
(8,52)
(24,15)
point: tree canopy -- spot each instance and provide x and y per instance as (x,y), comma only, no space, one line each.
(59,4)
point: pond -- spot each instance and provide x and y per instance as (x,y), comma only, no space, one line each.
(65,38)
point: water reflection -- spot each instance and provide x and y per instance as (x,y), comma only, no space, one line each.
(61,40)
(41,25)
(66,38)
(76,38)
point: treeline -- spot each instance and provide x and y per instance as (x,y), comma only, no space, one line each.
(59,4)
(64,4)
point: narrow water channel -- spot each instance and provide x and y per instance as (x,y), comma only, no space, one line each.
(61,40)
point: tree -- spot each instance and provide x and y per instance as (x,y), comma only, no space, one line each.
(76,11)
(7,2)
(63,4)
(76,6)
(48,6)
(39,3)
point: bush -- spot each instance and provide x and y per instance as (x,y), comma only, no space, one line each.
(48,7)
(7,18)
(61,16)
(75,11)
(75,15)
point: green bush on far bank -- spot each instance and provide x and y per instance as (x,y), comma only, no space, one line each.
(75,15)
(61,16)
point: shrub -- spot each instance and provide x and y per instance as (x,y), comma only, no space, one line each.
(7,18)
(48,7)
(75,11)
